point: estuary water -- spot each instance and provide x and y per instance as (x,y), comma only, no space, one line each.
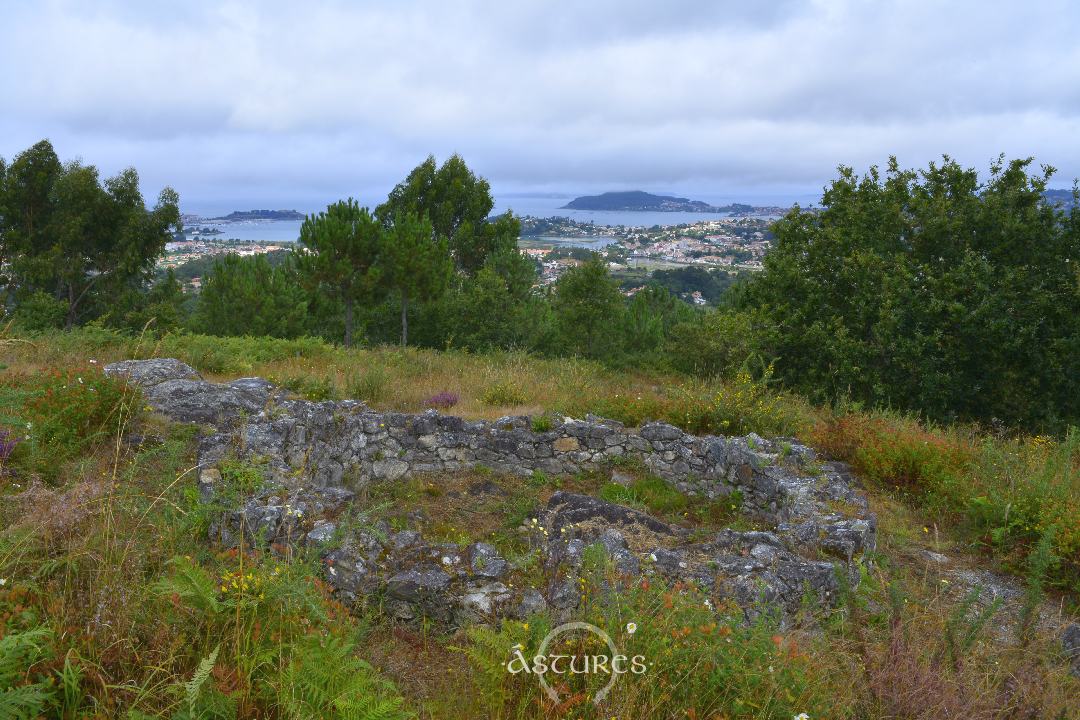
(536,206)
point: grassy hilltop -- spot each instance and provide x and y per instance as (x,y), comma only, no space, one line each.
(113,603)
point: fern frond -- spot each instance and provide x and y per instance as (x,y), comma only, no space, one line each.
(18,651)
(193,687)
(24,703)
(191,584)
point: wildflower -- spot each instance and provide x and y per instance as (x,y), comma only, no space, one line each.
(801,716)
(631,628)
(3,582)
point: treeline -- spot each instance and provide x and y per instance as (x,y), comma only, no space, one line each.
(927,291)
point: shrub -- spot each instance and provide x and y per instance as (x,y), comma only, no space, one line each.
(23,693)
(503,393)
(41,311)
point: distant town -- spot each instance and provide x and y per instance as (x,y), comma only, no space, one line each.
(712,247)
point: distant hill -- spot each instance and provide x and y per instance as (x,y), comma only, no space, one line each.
(263,215)
(633,200)
(1059,197)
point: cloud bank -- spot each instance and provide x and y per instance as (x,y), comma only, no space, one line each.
(302,103)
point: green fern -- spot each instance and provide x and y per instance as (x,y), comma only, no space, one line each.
(191,584)
(24,703)
(326,680)
(19,698)
(193,687)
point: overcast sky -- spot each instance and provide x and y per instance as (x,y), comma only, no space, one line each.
(294,104)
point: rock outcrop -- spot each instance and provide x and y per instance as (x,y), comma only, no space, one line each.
(318,454)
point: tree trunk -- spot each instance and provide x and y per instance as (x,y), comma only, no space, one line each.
(404,319)
(348,320)
(71,308)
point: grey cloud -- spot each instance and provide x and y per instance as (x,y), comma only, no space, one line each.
(323,99)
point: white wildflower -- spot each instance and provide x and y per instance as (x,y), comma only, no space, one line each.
(631,628)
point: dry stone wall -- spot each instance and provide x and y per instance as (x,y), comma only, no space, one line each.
(319,453)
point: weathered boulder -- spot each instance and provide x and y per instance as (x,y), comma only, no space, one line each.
(147,373)
(199,401)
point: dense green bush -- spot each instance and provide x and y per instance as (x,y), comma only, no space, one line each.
(929,291)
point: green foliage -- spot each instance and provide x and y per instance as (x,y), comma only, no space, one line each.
(162,308)
(704,660)
(717,343)
(40,311)
(932,292)
(1011,494)
(416,263)
(291,650)
(325,679)
(651,315)
(504,392)
(650,493)
(457,203)
(248,296)
(711,282)
(345,245)
(1040,563)
(370,385)
(312,388)
(193,687)
(83,241)
(24,696)
(588,311)
(965,623)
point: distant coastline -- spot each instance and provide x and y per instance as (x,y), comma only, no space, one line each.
(239,215)
(639,201)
